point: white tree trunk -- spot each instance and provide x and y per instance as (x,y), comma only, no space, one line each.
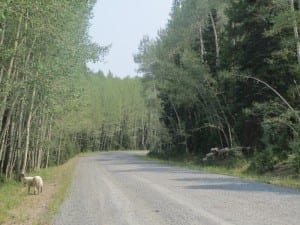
(202,50)
(296,33)
(216,39)
(28,125)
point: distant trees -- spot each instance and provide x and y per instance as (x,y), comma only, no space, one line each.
(112,115)
(217,67)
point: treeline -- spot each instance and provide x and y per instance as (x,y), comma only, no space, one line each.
(112,115)
(226,74)
(44,47)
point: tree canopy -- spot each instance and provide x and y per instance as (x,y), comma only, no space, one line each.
(227,76)
(44,46)
(220,75)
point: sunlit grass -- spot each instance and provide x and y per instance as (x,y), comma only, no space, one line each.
(62,175)
(10,196)
(12,193)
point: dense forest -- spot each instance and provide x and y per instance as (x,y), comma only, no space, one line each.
(112,115)
(44,47)
(227,76)
(51,105)
(222,75)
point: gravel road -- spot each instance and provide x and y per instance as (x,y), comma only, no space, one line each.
(116,188)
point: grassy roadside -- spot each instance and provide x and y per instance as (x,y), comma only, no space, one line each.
(10,196)
(291,181)
(62,176)
(17,207)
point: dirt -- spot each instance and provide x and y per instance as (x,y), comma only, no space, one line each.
(33,208)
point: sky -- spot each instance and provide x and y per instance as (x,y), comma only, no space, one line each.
(123,23)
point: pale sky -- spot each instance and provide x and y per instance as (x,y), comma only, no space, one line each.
(123,23)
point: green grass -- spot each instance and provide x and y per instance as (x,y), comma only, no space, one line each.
(240,170)
(63,177)
(13,193)
(10,196)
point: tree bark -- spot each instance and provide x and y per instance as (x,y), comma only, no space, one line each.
(28,125)
(296,33)
(42,141)
(59,149)
(216,39)
(10,69)
(5,130)
(9,163)
(20,138)
(202,49)
(1,43)
(182,132)
(49,139)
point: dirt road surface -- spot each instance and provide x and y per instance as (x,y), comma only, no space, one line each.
(116,188)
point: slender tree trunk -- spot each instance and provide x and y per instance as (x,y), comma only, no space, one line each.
(143,136)
(296,33)
(134,133)
(4,131)
(4,150)
(20,138)
(59,149)
(9,71)
(49,139)
(2,34)
(13,165)
(229,139)
(11,150)
(216,39)
(122,125)
(1,73)
(42,141)
(28,125)
(99,137)
(277,93)
(182,132)
(1,43)
(36,144)
(16,45)
(202,49)
(104,139)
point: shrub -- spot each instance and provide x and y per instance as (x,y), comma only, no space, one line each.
(295,146)
(263,161)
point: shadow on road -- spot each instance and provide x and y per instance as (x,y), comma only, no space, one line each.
(190,179)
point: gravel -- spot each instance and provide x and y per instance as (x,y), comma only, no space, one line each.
(117,188)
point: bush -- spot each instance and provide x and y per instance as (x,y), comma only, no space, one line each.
(295,146)
(263,161)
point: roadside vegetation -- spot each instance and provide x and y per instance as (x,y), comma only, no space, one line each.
(226,75)
(44,49)
(17,207)
(10,196)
